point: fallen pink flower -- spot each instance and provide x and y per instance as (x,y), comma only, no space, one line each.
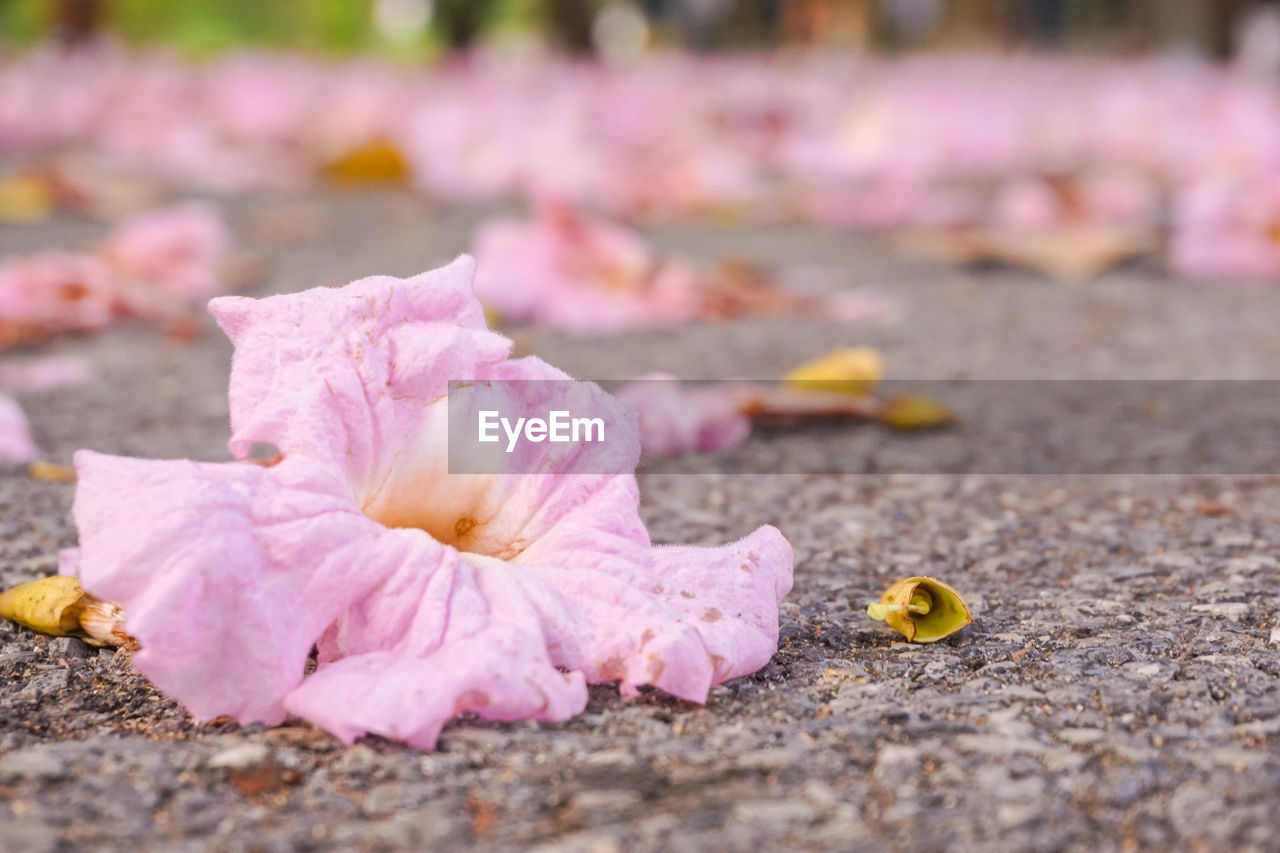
(580,275)
(16,445)
(155,266)
(427,593)
(677,419)
(176,250)
(57,290)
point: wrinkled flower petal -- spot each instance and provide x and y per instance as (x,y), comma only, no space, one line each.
(427,593)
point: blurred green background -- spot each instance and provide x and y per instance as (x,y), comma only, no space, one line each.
(201,27)
(415,27)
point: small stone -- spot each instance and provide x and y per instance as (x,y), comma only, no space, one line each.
(45,683)
(37,763)
(1275,636)
(895,761)
(1080,737)
(603,805)
(1231,610)
(609,758)
(357,759)
(70,648)
(29,835)
(770,759)
(999,745)
(239,757)
(581,842)
(775,814)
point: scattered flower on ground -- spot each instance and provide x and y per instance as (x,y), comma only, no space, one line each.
(157,266)
(1025,143)
(428,594)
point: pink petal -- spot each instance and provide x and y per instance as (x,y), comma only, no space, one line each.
(675,419)
(679,618)
(436,640)
(343,375)
(177,250)
(578,274)
(227,572)
(16,445)
(58,290)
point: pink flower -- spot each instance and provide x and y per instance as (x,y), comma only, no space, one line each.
(176,251)
(585,276)
(428,593)
(16,445)
(676,419)
(1027,204)
(57,290)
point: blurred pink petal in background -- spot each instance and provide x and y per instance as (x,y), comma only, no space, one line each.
(16,445)
(677,419)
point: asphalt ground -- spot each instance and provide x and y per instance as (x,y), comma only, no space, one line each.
(1116,691)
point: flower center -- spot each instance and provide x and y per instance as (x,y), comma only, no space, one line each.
(469,512)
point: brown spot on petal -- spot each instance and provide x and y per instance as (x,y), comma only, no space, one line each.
(656,666)
(746,568)
(464,525)
(472,699)
(658,589)
(712,615)
(685,593)
(646,636)
(611,668)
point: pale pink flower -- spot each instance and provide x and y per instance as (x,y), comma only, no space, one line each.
(582,275)
(1026,204)
(16,445)
(428,593)
(57,290)
(176,251)
(677,419)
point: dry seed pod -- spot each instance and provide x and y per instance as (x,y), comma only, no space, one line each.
(59,607)
(924,610)
(49,605)
(103,621)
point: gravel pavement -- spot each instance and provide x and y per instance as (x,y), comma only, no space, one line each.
(1118,689)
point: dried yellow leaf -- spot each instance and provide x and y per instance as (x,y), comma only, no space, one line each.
(51,472)
(376,162)
(924,610)
(915,411)
(25,199)
(849,370)
(58,606)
